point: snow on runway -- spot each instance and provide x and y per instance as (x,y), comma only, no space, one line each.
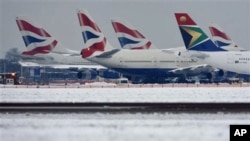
(178,94)
(171,126)
(119,127)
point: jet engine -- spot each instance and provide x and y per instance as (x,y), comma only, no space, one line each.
(109,74)
(222,73)
(87,74)
(211,75)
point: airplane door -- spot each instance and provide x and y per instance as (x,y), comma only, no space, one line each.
(230,59)
(177,61)
(121,61)
(155,61)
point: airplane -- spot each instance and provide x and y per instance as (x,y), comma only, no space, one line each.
(199,45)
(48,52)
(222,40)
(124,29)
(153,65)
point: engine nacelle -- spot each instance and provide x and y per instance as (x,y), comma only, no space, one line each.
(222,73)
(109,74)
(211,75)
(217,76)
(87,74)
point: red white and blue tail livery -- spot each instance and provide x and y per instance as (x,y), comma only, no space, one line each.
(129,37)
(94,40)
(219,36)
(36,39)
(222,40)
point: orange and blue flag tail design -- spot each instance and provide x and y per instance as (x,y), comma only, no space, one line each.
(193,36)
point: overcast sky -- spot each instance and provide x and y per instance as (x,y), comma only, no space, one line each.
(154,18)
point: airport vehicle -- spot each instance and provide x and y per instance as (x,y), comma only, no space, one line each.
(122,81)
(9,78)
(153,65)
(48,52)
(199,45)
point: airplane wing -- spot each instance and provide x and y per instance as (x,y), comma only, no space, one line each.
(197,54)
(188,54)
(29,64)
(67,54)
(108,53)
(62,66)
(193,70)
(77,67)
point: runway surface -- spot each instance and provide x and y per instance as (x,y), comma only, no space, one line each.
(121,114)
(110,107)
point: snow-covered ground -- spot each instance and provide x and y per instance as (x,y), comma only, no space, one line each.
(119,127)
(157,94)
(122,126)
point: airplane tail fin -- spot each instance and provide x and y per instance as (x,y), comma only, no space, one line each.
(129,37)
(222,40)
(94,40)
(37,40)
(193,36)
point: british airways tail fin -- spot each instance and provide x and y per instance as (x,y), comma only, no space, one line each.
(94,40)
(129,37)
(193,36)
(222,40)
(37,40)
(219,36)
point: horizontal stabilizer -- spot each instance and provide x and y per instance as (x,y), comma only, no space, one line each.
(108,54)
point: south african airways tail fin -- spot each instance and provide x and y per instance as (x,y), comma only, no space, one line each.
(193,36)
(129,37)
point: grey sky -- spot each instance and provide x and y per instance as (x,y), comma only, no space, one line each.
(154,18)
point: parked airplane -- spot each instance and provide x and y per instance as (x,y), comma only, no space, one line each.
(222,40)
(123,29)
(40,44)
(154,65)
(200,46)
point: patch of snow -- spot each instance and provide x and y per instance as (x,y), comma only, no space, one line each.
(179,94)
(119,127)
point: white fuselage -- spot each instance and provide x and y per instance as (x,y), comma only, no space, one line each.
(144,62)
(60,61)
(235,61)
(64,59)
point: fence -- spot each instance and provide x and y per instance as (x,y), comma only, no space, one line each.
(112,85)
